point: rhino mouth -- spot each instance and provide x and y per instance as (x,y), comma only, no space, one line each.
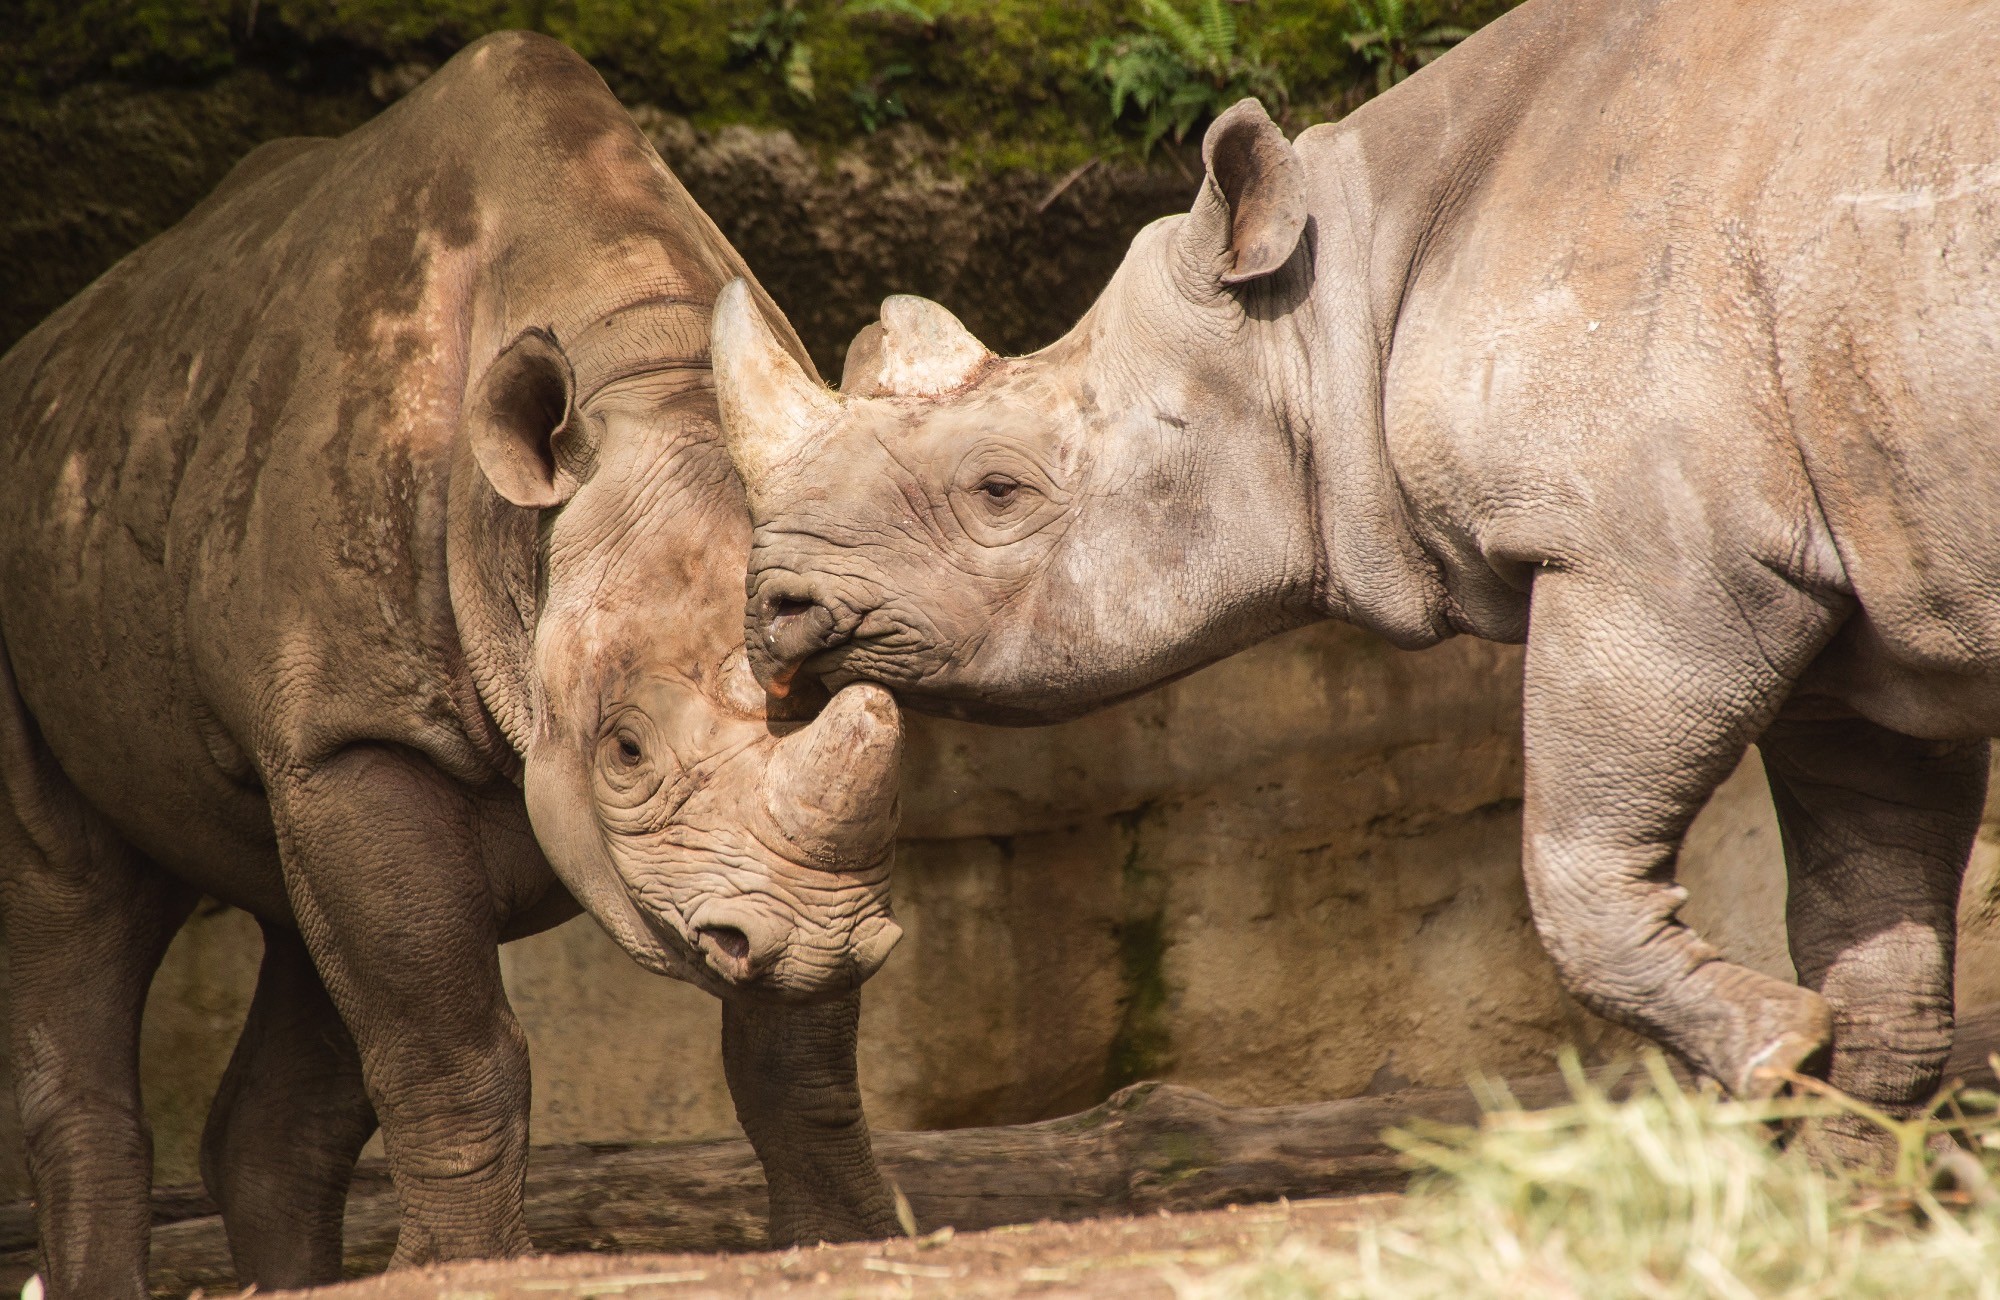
(892,656)
(739,944)
(725,942)
(719,953)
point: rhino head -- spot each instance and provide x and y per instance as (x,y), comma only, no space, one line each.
(1021,540)
(596,550)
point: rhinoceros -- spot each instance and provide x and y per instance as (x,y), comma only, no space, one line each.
(369,560)
(1662,336)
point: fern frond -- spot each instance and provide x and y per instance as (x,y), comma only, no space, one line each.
(1218,29)
(1173,24)
(799,71)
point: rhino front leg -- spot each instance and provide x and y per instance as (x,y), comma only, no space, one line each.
(1877,828)
(1641,696)
(88,921)
(288,1122)
(791,1072)
(385,876)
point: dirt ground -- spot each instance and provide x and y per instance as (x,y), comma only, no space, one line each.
(1122,1258)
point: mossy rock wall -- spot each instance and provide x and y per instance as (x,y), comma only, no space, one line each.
(89,175)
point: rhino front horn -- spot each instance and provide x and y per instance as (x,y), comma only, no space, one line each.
(831,786)
(770,406)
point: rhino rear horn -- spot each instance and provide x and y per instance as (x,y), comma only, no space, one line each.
(1251,211)
(770,407)
(917,349)
(831,786)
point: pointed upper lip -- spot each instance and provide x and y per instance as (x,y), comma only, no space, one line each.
(790,630)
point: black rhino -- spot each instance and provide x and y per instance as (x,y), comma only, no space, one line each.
(1664,336)
(369,560)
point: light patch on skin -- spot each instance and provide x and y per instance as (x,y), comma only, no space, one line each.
(1972,180)
(73,502)
(608,164)
(429,398)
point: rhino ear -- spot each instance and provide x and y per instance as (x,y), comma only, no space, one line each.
(1252,207)
(917,349)
(522,422)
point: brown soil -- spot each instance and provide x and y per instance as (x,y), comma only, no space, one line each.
(1112,1257)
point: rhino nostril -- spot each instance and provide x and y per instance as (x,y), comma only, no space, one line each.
(788,608)
(731,941)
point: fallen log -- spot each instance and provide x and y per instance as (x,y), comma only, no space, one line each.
(1152,1146)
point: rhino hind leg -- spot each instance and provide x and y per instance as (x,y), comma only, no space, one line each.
(791,1072)
(1877,828)
(88,920)
(288,1123)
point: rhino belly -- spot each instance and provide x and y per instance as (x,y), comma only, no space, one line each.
(1913,688)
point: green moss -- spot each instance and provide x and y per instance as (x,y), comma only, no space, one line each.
(1143,1045)
(1013,73)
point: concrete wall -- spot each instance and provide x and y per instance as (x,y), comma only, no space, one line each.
(1292,876)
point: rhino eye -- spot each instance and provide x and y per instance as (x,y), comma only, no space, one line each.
(999,489)
(628,749)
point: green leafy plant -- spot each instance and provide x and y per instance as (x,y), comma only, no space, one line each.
(875,102)
(1394,37)
(1180,68)
(776,40)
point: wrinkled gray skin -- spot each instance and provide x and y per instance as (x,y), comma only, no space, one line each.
(369,559)
(1664,336)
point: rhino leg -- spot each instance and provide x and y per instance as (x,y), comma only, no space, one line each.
(791,1072)
(288,1122)
(1640,698)
(383,867)
(1877,829)
(88,920)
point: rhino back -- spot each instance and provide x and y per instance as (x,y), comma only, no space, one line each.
(1710,268)
(222,525)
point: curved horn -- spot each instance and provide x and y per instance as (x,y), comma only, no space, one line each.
(770,407)
(831,786)
(918,350)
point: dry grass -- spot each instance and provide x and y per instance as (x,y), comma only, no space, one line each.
(1668,1195)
